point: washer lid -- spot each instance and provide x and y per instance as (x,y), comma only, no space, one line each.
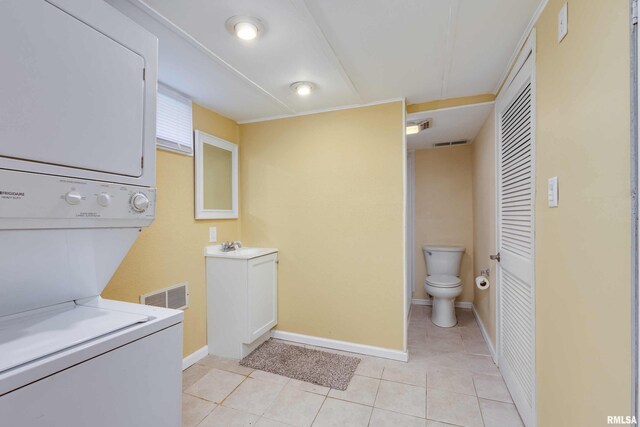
(443,248)
(443,281)
(26,337)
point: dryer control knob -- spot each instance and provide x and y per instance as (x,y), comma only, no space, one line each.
(104,199)
(139,202)
(73,197)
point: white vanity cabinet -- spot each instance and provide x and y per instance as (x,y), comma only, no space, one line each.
(242,299)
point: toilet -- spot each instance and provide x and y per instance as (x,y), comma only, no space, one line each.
(443,282)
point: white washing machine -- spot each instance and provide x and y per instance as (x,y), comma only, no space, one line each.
(77,176)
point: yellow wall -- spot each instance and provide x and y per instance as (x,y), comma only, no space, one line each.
(327,191)
(170,251)
(583,246)
(450,102)
(484,220)
(443,209)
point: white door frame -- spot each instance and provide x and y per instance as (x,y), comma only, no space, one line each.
(411,228)
(528,50)
(635,215)
(405,277)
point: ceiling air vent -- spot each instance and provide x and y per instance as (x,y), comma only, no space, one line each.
(448,144)
(426,124)
(172,297)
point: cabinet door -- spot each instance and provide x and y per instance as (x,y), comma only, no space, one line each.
(262,296)
(69,94)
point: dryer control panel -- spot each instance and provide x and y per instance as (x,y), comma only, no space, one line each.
(28,199)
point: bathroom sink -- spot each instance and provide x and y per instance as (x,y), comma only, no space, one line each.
(241,253)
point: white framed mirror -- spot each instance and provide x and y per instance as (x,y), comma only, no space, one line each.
(216,170)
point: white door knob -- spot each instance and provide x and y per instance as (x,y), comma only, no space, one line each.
(73,197)
(139,202)
(104,199)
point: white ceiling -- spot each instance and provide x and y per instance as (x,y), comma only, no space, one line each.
(449,124)
(355,51)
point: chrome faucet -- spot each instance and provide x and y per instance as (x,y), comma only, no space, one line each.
(231,246)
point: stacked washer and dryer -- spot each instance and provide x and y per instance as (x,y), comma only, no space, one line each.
(77,176)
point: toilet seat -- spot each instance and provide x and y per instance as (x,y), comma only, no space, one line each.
(443,281)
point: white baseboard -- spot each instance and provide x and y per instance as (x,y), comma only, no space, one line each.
(195,357)
(369,350)
(459,304)
(485,335)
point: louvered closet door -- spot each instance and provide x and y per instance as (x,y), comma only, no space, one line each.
(516,316)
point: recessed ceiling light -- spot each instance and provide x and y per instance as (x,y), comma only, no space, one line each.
(246,30)
(302,88)
(244,27)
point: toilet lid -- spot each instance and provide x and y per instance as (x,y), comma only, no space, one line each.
(443,281)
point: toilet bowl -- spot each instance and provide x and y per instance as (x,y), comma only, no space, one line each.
(443,282)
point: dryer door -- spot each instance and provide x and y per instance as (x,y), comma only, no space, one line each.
(69,95)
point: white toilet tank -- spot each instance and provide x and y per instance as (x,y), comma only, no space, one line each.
(443,259)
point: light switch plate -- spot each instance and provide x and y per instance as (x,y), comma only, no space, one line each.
(213,234)
(552,195)
(563,22)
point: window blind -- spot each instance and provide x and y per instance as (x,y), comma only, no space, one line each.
(174,128)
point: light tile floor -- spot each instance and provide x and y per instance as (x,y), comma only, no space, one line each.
(450,380)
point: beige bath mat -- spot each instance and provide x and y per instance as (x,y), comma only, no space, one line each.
(313,366)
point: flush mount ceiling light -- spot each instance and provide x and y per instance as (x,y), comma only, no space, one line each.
(244,27)
(302,88)
(416,127)
(246,30)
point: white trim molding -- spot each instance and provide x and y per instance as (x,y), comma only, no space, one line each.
(406,254)
(325,45)
(485,334)
(195,357)
(425,113)
(322,110)
(201,212)
(520,45)
(167,23)
(459,304)
(351,347)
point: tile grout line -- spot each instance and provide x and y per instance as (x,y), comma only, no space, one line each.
(400,382)
(478,399)
(426,395)
(208,413)
(373,405)
(284,385)
(320,409)
(232,391)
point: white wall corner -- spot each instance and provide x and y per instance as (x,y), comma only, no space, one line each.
(195,357)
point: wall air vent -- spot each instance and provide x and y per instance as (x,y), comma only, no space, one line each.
(176,297)
(450,143)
